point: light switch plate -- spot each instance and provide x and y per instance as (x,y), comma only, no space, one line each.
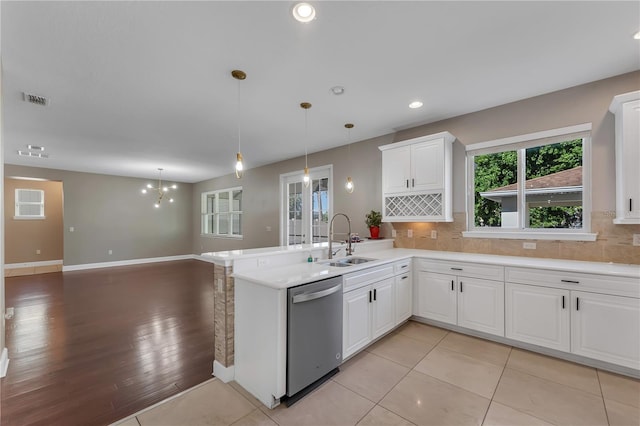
(394,233)
(410,233)
(636,239)
(434,234)
(529,246)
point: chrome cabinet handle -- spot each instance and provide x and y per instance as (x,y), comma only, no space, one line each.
(570,281)
(562,302)
(456,269)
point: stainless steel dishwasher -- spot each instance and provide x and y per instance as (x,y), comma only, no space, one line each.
(314,335)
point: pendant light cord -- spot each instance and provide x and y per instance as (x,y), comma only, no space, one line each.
(238,116)
(306,137)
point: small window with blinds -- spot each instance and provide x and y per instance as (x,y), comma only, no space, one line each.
(29,204)
(222,213)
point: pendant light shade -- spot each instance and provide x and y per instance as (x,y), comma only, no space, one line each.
(349,186)
(306,179)
(239,75)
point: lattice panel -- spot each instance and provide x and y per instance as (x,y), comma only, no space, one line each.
(413,205)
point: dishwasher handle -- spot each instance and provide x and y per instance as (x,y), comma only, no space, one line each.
(306,297)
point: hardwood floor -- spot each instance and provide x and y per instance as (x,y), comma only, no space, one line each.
(92,347)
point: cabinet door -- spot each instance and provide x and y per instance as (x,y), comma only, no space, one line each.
(606,328)
(383,315)
(403,297)
(538,315)
(481,305)
(437,296)
(427,166)
(356,316)
(631,159)
(396,166)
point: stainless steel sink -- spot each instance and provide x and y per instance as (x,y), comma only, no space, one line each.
(349,261)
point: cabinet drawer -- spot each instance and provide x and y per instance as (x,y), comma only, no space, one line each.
(367,276)
(607,284)
(463,269)
(402,266)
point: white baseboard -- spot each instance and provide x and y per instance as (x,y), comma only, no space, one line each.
(225,374)
(32,264)
(126,262)
(4,362)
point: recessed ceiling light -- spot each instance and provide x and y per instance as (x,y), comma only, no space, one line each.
(304,12)
(337,90)
(637,35)
(35,147)
(415,104)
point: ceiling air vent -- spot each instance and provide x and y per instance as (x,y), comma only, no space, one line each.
(35,99)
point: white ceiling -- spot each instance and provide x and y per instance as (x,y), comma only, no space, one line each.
(138,85)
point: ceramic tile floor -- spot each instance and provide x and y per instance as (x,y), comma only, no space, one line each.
(422,375)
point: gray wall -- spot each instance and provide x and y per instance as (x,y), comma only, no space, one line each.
(110,213)
(580,104)
(261,194)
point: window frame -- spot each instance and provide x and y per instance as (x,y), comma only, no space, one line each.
(293,177)
(520,144)
(205,214)
(18,216)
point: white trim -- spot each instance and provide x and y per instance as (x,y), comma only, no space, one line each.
(29,217)
(448,138)
(32,264)
(4,362)
(626,221)
(225,374)
(620,99)
(84,266)
(586,127)
(533,235)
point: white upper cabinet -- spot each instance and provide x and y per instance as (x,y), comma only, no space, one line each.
(416,179)
(626,108)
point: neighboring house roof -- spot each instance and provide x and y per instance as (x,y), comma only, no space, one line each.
(555,183)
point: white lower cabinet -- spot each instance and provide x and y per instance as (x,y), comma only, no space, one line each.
(383,312)
(368,312)
(356,331)
(437,297)
(606,327)
(469,302)
(538,315)
(404,293)
(481,305)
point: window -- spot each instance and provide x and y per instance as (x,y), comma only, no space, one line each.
(531,186)
(29,204)
(306,211)
(222,213)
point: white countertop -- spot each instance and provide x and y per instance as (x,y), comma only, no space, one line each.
(302,273)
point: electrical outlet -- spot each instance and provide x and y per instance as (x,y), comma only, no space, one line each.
(38,251)
(9,313)
(434,234)
(394,233)
(529,246)
(410,233)
(219,283)
(110,252)
(262,261)
(636,239)
(268,228)
(71,229)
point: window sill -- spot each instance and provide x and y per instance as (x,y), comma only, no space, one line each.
(521,235)
(224,237)
(29,217)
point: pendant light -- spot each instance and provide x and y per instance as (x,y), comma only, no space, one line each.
(349,185)
(239,75)
(306,179)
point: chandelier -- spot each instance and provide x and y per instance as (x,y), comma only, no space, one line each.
(160,190)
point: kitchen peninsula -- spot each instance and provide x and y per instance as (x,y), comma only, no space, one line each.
(586,312)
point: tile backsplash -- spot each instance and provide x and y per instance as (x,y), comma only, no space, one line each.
(614,242)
